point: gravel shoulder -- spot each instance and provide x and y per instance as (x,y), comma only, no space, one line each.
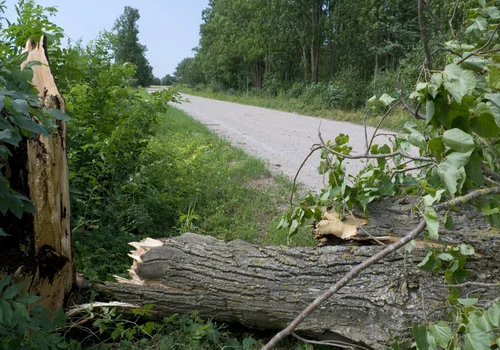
(282,139)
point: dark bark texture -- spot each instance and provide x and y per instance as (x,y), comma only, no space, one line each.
(266,287)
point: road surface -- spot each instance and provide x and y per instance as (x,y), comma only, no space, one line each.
(282,139)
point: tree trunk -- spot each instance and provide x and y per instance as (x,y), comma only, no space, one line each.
(39,249)
(315,40)
(424,35)
(266,287)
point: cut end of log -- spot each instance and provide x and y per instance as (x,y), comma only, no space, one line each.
(141,248)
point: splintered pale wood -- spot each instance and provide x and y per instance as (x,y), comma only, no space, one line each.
(267,286)
(49,191)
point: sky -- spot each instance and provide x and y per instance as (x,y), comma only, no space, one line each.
(169,28)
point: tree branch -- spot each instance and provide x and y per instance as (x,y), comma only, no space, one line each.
(478,51)
(354,272)
(405,105)
(373,156)
(294,184)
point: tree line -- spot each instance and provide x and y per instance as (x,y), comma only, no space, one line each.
(353,48)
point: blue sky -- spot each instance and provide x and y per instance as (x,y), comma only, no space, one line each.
(169,28)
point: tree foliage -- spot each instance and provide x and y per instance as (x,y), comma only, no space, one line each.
(127,47)
(449,162)
(353,48)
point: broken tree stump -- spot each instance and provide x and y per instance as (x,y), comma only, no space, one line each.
(266,287)
(39,249)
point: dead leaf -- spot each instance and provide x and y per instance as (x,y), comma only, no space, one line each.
(332,225)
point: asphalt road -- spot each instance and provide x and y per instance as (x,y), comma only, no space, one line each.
(282,139)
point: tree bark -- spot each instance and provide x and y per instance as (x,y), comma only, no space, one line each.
(423,34)
(266,287)
(316,13)
(39,249)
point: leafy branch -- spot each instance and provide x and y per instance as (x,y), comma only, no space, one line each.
(354,272)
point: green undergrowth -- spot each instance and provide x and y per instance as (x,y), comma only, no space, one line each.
(189,180)
(394,121)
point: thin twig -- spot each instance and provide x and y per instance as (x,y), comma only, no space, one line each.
(337,343)
(467,198)
(491,173)
(373,156)
(380,124)
(450,22)
(294,184)
(410,169)
(405,105)
(478,51)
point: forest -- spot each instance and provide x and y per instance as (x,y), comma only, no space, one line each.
(333,54)
(401,255)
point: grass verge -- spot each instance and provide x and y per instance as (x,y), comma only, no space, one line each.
(394,121)
(190,180)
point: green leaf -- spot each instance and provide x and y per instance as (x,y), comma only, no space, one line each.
(458,140)
(57,114)
(436,146)
(429,110)
(4,282)
(474,63)
(485,125)
(5,134)
(468,301)
(466,249)
(27,124)
(458,82)
(3,234)
(474,170)
(441,333)
(429,263)
(446,257)
(6,312)
(493,314)
(27,299)
(21,310)
(22,107)
(494,77)
(12,291)
(293,227)
(386,99)
(2,101)
(420,336)
(476,339)
(431,219)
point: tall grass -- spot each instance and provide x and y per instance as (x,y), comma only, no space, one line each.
(189,180)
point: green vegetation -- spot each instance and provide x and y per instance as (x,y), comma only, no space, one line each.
(141,168)
(188,179)
(326,53)
(137,168)
(127,47)
(457,164)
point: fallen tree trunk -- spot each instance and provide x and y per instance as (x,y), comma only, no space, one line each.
(266,287)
